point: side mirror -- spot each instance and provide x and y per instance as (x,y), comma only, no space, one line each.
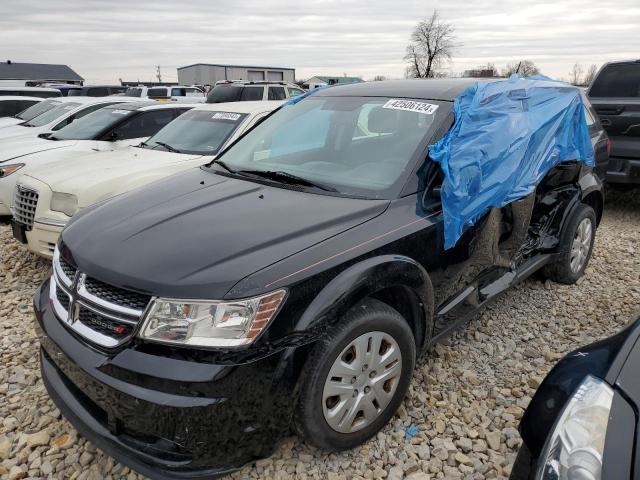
(113,136)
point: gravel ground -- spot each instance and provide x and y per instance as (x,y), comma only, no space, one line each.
(459,419)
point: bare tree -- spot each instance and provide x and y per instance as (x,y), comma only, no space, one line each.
(590,75)
(432,43)
(526,68)
(575,75)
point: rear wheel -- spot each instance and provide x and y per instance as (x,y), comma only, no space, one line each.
(356,377)
(576,246)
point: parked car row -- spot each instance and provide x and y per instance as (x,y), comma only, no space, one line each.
(223,272)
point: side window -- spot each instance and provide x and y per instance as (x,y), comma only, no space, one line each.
(193,92)
(277,93)
(178,92)
(144,124)
(97,92)
(251,94)
(294,92)
(80,114)
(157,92)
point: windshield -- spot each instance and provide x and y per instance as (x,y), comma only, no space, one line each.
(197,132)
(92,125)
(617,80)
(37,109)
(360,146)
(51,115)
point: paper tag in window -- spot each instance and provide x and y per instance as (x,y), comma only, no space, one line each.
(121,112)
(226,116)
(411,106)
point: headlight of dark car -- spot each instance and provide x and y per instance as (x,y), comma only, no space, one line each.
(575,446)
(210,323)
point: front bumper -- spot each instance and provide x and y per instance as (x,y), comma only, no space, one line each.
(166,417)
(623,170)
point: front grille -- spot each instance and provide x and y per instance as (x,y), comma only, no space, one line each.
(103,314)
(63,298)
(25,201)
(67,269)
(119,296)
(105,326)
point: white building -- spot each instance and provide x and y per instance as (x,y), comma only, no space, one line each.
(209,74)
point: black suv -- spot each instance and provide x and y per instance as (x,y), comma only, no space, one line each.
(189,324)
(615,95)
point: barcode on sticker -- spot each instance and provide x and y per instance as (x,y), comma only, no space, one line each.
(226,116)
(411,106)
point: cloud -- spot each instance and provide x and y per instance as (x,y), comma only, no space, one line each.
(105,41)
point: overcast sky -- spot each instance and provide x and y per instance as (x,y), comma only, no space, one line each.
(107,40)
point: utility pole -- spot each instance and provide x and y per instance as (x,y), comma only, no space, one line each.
(159,75)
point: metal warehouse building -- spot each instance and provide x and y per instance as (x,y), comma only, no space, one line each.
(209,74)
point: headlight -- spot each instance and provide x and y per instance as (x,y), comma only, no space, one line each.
(6,170)
(65,203)
(210,323)
(574,449)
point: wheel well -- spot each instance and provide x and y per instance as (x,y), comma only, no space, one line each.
(408,304)
(595,201)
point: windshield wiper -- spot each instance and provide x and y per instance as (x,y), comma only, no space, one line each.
(285,177)
(223,165)
(168,147)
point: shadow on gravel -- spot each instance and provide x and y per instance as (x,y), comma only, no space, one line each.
(622,199)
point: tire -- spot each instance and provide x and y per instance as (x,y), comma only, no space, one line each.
(373,323)
(561,269)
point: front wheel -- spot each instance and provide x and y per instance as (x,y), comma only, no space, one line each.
(356,377)
(576,246)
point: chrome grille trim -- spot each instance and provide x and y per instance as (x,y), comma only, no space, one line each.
(84,293)
(81,301)
(57,268)
(25,200)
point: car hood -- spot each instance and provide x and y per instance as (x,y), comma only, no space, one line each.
(16,147)
(98,175)
(8,121)
(19,130)
(197,234)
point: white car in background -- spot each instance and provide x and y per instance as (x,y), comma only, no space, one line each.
(46,198)
(68,110)
(109,128)
(175,93)
(10,106)
(31,112)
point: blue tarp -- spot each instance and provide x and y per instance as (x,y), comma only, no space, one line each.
(506,137)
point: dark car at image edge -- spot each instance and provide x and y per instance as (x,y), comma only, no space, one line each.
(189,325)
(582,421)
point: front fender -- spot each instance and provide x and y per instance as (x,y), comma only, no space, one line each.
(364,279)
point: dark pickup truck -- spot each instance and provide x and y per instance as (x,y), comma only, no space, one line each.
(615,95)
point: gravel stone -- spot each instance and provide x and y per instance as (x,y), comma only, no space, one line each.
(465,400)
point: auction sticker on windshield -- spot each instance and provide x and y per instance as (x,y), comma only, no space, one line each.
(411,106)
(226,116)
